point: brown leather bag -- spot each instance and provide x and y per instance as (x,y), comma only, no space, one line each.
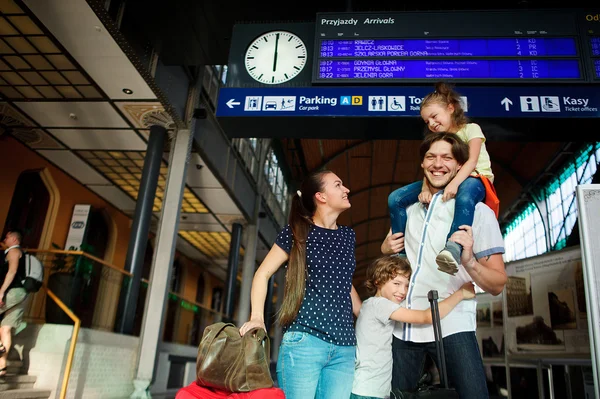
(230,362)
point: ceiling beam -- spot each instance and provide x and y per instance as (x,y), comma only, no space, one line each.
(301,157)
(354,226)
(362,190)
(339,153)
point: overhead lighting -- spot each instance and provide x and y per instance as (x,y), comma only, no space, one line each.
(127,91)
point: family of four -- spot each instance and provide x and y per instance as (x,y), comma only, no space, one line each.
(442,238)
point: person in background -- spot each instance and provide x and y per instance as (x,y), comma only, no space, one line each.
(12,293)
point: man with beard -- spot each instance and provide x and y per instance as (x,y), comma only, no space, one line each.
(443,154)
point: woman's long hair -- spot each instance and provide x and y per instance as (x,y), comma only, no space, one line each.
(302,211)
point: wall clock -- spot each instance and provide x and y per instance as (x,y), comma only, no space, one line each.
(275,57)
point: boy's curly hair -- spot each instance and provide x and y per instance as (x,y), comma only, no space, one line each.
(384,269)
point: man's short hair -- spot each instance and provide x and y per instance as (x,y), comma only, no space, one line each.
(460,149)
(17,233)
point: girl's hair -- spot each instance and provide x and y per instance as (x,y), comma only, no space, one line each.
(384,269)
(444,95)
(302,211)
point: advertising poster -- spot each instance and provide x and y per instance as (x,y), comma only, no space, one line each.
(545,305)
(77,228)
(490,326)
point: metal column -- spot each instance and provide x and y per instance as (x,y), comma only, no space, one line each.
(164,253)
(232,267)
(278,334)
(248,269)
(140,228)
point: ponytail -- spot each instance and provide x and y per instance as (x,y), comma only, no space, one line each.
(445,95)
(300,220)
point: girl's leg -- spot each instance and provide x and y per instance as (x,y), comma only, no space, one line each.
(338,374)
(398,201)
(300,363)
(470,192)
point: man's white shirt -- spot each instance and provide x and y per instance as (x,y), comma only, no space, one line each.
(426,232)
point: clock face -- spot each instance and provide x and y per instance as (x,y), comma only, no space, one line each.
(275,57)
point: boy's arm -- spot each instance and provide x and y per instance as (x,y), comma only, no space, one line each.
(467,291)
(466,169)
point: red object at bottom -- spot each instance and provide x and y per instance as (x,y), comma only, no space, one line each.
(195,391)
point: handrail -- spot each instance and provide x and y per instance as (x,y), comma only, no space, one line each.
(80,253)
(77,324)
(190,301)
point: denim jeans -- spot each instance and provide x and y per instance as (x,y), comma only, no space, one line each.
(470,192)
(309,367)
(355,396)
(399,200)
(463,364)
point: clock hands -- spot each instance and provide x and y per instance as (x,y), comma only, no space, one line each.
(275,57)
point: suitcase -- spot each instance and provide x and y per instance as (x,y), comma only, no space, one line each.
(432,392)
(195,391)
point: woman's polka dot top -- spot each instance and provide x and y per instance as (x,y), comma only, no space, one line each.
(326,310)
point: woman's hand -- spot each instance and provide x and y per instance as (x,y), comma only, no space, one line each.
(468,291)
(253,323)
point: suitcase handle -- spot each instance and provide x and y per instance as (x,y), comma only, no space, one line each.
(437,332)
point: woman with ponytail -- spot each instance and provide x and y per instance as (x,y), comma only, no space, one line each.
(317,352)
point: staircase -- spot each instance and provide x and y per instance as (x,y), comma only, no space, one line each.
(16,384)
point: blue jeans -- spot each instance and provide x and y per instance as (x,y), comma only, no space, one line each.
(470,192)
(463,364)
(309,367)
(355,396)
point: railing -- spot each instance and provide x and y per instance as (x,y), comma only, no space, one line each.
(87,285)
(186,320)
(91,288)
(71,355)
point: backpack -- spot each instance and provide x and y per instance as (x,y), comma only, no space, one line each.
(33,275)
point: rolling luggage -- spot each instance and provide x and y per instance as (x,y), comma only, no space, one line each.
(432,392)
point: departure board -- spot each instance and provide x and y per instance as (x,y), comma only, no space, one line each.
(378,69)
(595,44)
(510,47)
(477,46)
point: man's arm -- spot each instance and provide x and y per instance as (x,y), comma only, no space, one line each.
(13,265)
(488,272)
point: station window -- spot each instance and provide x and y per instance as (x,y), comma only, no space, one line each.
(249,149)
(275,179)
(525,235)
(560,193)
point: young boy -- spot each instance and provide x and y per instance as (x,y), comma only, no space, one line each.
(387,278)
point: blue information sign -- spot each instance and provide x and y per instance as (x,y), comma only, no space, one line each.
(492,102)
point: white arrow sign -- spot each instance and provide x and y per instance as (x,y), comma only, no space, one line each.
(507,103)
(232,102)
